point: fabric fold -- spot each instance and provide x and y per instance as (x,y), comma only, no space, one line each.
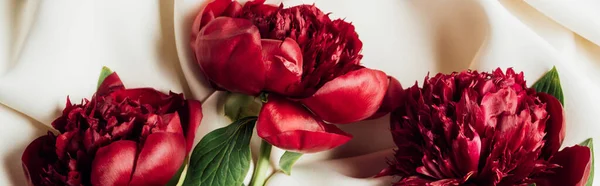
(67,43)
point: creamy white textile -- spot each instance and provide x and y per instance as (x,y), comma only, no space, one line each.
(51,49)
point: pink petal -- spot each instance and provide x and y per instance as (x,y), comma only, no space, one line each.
(33,162)
(283,60)
(392,100)
(111,83)
(494,104)
(349,98)
(160,157)
(289,126)
(229,53)
(191,117)
(114,163)
(466,152)
(555,125)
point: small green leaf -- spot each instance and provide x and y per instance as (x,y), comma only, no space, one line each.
(240,106)
(222,158)
(176,178)
(103,74)
(532,184)
(287,161)
(590,144)
(550,83)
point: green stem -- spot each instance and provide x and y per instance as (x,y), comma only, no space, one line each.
(259,177)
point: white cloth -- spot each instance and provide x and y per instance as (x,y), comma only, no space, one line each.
(51,49)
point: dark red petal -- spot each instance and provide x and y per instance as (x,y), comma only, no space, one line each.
(111,83)
(114,164)
(555,125)
(392,99)
(160,157)
(283,60)
(289,126)
(144,95)
(191,117)
(229,53)
(349,98)
(575,170)
(32,161)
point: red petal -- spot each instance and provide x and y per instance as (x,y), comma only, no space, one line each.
(392,100)
(283,60)
(114,163)
(32,162)
(289,126)
(229,53)
(555,125)
(575,162)
(191,118)
(170,123)
(349,98)
(212,10)
(308,141)
(159,159)
(111,83)
(144,95)
(466,152)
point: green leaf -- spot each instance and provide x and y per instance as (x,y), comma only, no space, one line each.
(532,184)
(103,74)
(287,161)
(550,83)
(222,158)
(590,144)
(240,106)
(176,178)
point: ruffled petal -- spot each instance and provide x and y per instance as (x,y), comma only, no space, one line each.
(160,157)
(114,164)
(283,60)
(229,53)
(143,95)
(289,126)
(163,103)
(555,126)
(349,98)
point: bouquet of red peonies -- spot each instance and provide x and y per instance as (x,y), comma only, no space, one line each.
(293,74)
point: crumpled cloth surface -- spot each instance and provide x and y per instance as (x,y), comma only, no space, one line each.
(53,49)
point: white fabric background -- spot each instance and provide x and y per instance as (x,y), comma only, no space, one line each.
(51,49)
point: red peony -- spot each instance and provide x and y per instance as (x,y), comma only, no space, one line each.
(298,55)
(121,137)
(474,128)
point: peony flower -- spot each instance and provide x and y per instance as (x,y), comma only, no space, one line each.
(298,55)
(474,128)
(121,137)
